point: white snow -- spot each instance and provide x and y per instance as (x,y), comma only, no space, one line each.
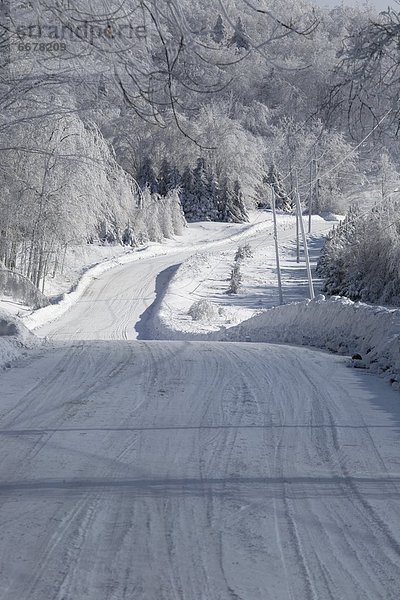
(14,308)
(205,276)
(196,470)
(196,236)
(148,470)
(336,324)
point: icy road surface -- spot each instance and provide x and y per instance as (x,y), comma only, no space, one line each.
(145,470)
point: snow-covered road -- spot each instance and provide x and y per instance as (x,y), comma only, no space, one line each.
(117,305)
(149,470)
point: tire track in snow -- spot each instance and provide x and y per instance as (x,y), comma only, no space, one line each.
(55,541)
(365,511)
(295,544)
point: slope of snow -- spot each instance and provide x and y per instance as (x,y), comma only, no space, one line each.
(14,308)
(338,325)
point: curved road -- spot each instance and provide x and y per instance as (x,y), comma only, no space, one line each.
(145,470)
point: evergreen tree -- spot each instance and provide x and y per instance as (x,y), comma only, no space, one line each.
(187,196)
(199,193)
(146,176)
(212,193)
(337,259)
(174,179)
(128,236)
(240,38)
(163,177)
(238,203)
(218,32)
(169,178)
(223,199)
(274,179)
(204,201)
(231,203)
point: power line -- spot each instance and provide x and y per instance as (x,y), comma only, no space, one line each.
(353,151)
(338,164)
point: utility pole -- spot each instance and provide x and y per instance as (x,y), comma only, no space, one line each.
(293,195)
(278,266)
(303,233)
(311,196)
(297,218)
(316,178)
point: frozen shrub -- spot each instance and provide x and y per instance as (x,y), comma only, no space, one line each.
(235,282)
(361,256)
(203,310)
(244,252)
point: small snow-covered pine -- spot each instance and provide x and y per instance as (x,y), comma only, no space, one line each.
(240,39)
(187,194)
(218,32)
(274,179)
(169,178)
(231,203)
(146,176)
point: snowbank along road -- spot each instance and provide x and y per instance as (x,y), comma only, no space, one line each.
(154,470)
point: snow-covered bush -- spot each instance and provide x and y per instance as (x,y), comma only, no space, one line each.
(235,281)
(244,252)
(203,310)
(21,289)
(361,257)
(15,338)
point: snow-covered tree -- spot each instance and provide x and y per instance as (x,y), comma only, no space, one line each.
(168,179)
(178,217)
(230,203)
(388,176)
(146,176)
(218,31)
(204,201)
(187,193)
(282,199)
(239,208)
(240,38)
(62,186)
(361,257)
(366,84)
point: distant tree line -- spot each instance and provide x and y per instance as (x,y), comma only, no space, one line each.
(204,195)
(239,38)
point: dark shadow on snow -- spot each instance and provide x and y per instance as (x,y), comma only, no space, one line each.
(144,326)
(296,487)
